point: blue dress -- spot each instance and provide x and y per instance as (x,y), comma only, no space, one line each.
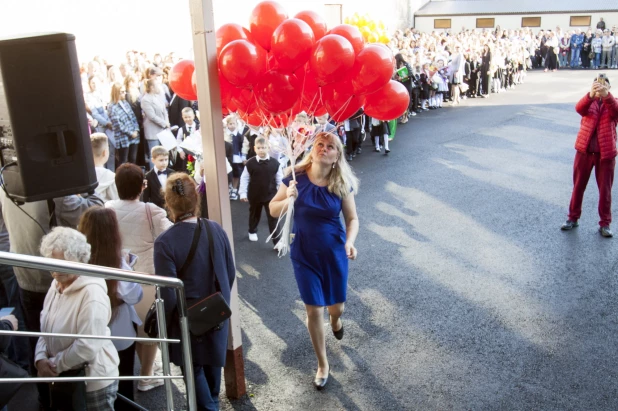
(318,250)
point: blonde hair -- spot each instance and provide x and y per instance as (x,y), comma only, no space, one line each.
(115,95)
(188,110)
(158,151)
(99,144)
(341,179)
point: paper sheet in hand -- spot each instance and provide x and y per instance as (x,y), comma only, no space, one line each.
(193,144)
(167,139)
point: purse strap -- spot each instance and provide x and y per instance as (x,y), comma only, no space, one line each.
(196,239)
(150,223)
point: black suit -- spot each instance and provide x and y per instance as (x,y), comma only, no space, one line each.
(153,193)
(174,111)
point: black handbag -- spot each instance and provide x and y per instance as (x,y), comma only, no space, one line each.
(8,369)
(69,396)
(205,314)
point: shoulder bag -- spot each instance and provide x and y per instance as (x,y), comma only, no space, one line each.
(204,314)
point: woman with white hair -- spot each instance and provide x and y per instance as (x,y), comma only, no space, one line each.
(76,305)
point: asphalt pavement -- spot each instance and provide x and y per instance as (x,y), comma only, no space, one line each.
(465,295)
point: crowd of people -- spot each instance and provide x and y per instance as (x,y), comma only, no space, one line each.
(448,66)
(144,215)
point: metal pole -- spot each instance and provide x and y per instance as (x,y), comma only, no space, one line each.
(206,71)
(185,336)
(165,355)
(85,336)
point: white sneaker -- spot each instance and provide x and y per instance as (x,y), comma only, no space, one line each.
(157,368)
(253,237)
(147,385)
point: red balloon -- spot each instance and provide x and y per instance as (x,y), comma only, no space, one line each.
(320,111)
(372,69)
(280,121)
(230,32)
(332,58)
(389,102)
(277,92)
(309,93)
(315,21)
(265,18)
(243,100)
(291,44)
(241,63)
(352,34)
(339,101)
(180,79)
(226,89)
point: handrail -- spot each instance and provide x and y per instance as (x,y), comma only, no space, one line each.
(89,270)
(87,336)
(69,267)
(78,379)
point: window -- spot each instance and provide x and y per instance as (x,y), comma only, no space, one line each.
(485,23)
(581,21)
(531,22)
(441,23)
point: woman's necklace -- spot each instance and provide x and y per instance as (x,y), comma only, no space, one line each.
(184,217)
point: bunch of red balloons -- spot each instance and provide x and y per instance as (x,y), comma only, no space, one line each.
(282,66)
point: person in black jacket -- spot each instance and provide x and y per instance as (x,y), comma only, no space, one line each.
(157,177)
(171,252)
(485,72)
(404,77)
(355,134)
(258,185)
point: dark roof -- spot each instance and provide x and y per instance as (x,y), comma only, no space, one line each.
(479,7)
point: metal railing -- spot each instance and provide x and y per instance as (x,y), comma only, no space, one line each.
(69,267)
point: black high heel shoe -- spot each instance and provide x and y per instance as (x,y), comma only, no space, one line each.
(338,334)
(320,383)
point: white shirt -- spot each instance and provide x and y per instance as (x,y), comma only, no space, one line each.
(162,179)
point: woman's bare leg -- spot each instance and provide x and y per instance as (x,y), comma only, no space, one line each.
(315,324)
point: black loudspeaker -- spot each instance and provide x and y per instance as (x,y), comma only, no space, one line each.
(45,147)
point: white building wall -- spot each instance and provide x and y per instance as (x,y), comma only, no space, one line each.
(548,21)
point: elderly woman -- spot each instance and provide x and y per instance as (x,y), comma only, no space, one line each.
(199,275)
(155,114)
(140,224)
(324,188)
(77,305)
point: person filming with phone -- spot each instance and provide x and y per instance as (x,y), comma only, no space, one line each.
(596,148)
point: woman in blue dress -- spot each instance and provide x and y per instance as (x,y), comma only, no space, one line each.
(324,188)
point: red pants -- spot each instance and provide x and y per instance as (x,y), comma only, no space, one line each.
(604,173)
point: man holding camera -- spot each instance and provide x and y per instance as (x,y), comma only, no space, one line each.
(596,148)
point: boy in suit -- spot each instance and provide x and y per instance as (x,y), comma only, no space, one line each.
(258,185)
(189,127)
(157,177)
(107,179)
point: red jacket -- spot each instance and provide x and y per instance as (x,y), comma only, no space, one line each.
(602,116)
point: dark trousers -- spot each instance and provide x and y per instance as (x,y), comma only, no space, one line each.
(485,82)
(353,141)
(414,100)
(207,387)
(32,305)
(126,155)
(125,369)
(9,297)
(255,214)
(604,173)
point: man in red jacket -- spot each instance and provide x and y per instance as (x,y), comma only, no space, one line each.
(596,148)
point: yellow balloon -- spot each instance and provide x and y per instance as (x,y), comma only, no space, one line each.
(381,25)
(384,39)
(365,30)
(371,25)
(355,21)
(347,20)
(371,38)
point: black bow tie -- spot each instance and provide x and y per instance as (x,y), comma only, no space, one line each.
(265,161)
(159,172)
